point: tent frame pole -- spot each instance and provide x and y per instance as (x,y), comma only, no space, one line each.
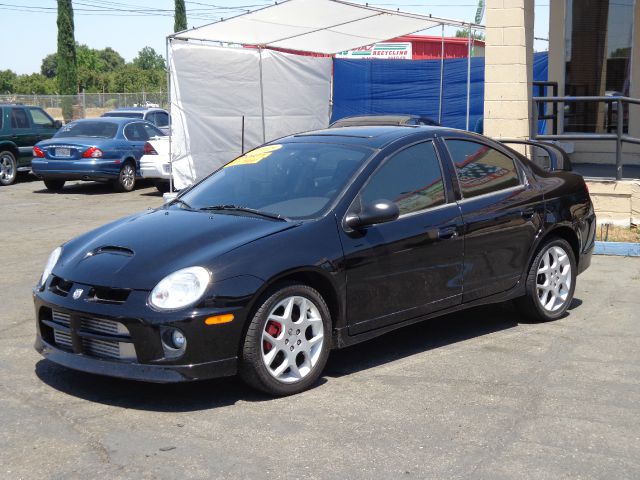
(468,77)
(264,133)
(441,75)
(170,117)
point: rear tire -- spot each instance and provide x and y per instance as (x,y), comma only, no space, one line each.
(126,181)
(55,185)
(163,187)
(550,283)
(288,340)
(8,168)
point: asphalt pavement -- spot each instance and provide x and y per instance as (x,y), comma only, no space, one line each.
(476,395)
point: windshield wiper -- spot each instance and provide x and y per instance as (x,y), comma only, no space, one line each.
(236,208)
(181,202)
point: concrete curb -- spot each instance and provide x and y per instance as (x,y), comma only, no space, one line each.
(625,249)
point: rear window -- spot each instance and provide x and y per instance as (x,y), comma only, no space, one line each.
(19,118)
(88,129)
(123,114)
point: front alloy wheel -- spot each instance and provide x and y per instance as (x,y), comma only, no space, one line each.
(287,343)
(8,168)
(550,282)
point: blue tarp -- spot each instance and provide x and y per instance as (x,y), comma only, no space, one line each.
(363,87)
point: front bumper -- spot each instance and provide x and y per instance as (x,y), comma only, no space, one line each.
(85,342)
(137,371)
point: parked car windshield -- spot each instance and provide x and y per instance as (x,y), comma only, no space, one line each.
(123,114)
(293,180)
(88,129)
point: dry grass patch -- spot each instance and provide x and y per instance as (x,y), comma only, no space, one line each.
(611,233)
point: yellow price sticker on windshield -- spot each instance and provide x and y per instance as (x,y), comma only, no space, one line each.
(254,156)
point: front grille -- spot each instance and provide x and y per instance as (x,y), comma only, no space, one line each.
(120,348)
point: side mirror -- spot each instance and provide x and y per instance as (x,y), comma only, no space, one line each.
(169,196)
(379,211)
(57,124)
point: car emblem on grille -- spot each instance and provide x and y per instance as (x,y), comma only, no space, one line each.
(77,293)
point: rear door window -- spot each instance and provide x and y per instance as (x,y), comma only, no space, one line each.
(19,118)
(40,119)
(152,131)
(411,178)
(481,169)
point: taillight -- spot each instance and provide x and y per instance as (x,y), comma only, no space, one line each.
(92,152)
(149,150)
(37,152)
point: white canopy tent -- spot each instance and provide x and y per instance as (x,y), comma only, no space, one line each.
(226,99)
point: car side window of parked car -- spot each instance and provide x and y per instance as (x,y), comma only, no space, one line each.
(411,178)
(481,169)
(19,118)
(40,119)
(151,131)
(135,133)
(161,119)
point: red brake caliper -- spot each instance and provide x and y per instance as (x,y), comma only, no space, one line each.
(273,329)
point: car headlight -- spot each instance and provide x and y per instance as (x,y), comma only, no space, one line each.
(48,268)
(180,289)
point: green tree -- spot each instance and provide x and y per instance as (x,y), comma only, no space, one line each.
(111,59)
(49,66)
(180,18)
(465,34)
(148,59)
(67,74)
(7,81)
(130,78)
(34,83)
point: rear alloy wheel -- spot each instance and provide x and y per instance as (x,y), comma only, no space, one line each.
(550,283)
(126,181)
(8,168)
(55,185)
(287,344)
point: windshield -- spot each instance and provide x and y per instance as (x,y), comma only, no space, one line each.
(88,129)
(123,114)
(292,180)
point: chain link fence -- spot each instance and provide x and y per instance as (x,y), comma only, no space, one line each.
(88,105)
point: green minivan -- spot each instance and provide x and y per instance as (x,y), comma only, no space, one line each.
(21,127)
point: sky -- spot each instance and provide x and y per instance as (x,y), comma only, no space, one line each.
(128,26)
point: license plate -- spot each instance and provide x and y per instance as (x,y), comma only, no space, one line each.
(63,152)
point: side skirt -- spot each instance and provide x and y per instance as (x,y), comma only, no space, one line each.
(341,337)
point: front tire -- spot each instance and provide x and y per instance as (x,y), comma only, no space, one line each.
(8,168)
(288,340)
(126,181)
(550,283)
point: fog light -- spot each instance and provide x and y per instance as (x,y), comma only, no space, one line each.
(178,340)
(174,342)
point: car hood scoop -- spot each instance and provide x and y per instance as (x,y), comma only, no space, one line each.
(137,252)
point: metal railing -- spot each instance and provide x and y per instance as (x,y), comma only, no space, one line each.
(619,136)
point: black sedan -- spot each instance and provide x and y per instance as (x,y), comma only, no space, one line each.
(316,241)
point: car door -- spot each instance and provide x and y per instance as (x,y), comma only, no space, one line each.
(137,136)
(502,213)
(413,265)
(22,134)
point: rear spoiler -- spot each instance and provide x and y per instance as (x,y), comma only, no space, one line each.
(556,159)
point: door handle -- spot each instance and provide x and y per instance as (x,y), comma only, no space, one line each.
(447,233)
(528,213)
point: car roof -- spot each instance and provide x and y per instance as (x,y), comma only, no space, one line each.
(118,120)
(136,109)
(382,119)
(373,136)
